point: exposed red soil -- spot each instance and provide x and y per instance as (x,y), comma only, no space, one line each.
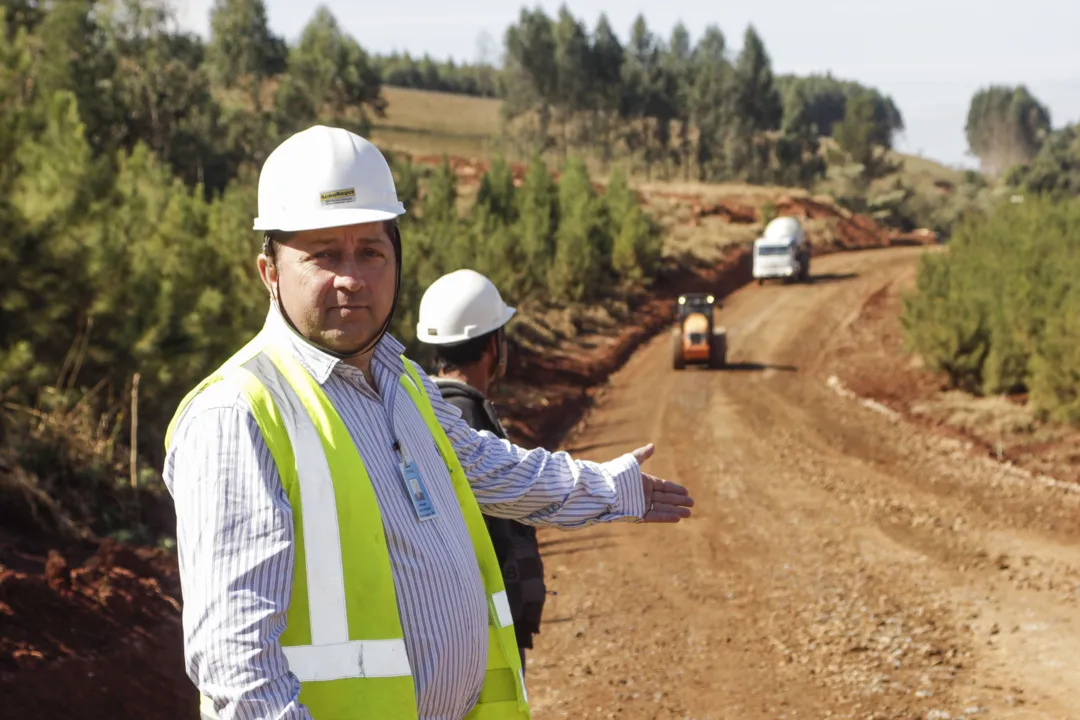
(99,638)
(852,229)
(733,210)
(469,171)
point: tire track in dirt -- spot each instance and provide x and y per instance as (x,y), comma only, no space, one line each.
(839,564)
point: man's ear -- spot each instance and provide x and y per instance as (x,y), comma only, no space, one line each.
(268,273)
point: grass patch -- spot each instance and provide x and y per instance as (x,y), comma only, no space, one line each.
(432,123)
(979,415)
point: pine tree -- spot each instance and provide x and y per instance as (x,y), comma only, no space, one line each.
(573,86)
(606,62)
(856,137)
(242,51)
(330,78)
(497,193)
(531,75)
(439,213)
(710,102)
(1005,126)
(797,161)
(625,223)
(538,218)
(680,68)
(756,109)
(439,204)
(757,101)
(581,247)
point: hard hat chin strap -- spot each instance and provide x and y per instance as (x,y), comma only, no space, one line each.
(499,370)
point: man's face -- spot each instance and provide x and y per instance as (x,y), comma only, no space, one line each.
(336,285)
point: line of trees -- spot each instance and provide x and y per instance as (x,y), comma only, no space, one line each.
(426,73)
(561,73)
(676,106)
(672,105)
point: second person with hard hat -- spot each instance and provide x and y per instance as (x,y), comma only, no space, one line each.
(463,316)
(333,557)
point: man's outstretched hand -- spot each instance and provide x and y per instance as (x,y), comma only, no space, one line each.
(665,502)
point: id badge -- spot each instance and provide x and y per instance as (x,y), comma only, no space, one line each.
(418,494)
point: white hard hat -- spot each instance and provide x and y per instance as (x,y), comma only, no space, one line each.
(460,306)
(325,177)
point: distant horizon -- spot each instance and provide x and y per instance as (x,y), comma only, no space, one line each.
(932,92)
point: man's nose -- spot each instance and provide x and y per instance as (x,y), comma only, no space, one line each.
(349,276)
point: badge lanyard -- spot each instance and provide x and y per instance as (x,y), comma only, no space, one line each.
(410,472)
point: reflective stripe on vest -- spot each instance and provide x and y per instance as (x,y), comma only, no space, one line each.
(343,639)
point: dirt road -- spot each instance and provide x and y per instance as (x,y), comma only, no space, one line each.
(841,563)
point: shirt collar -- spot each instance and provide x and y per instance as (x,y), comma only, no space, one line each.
(320,363)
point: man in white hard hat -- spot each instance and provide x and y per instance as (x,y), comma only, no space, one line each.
(317,581)
(463,316)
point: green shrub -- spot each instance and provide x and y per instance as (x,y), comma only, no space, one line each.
(999,312)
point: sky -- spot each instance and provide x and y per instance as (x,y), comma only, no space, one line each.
(931,56)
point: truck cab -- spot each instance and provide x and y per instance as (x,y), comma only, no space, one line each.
(782,252)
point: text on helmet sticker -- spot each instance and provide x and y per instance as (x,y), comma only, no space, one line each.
(338,197)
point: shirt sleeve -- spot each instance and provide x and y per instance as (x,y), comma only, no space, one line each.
(538,487)
(235,545)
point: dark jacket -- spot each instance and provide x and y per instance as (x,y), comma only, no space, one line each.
(515,544)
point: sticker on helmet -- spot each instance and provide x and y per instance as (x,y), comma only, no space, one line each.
(338,197)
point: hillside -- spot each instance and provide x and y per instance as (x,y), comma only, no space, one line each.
(430,123)
(702,222)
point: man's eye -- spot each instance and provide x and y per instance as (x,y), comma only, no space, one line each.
(372,252)
(323,255)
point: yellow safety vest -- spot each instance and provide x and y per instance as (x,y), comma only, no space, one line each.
(343,638)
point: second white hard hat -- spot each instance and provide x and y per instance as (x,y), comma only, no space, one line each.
(325,177)
(460,306)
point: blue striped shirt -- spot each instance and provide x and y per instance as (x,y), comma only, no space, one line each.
(235,531)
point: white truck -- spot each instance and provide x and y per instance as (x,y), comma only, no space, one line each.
(782,251)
